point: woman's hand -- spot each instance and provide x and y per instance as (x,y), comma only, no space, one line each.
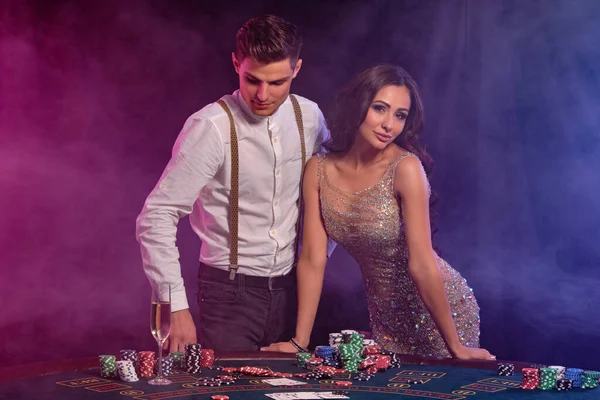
(470,353)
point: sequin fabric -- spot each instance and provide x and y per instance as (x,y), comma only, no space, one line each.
(369,225)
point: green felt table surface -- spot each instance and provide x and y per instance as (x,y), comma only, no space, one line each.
(442,379)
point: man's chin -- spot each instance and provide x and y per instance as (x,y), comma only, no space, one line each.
(263,112)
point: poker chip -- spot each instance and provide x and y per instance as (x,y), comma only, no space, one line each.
(370,350)
(206,381)
(560,371)
(126,371)
(177,357)
(314,361)
(207,358)
(563,384)
(108,366)
(129,355)
(302,358)
(166,364)
(363,377)
(372,369)
(505,369)
(226,380)
(343,383)
(416,382)
(589,379)
(335,339)
(547,379)
(192,358)
(146,360)
(531,379)
(219,397)
(340,392)
(576,375)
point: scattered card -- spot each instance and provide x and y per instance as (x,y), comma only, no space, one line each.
(293,396)
(283,382)
(305,396)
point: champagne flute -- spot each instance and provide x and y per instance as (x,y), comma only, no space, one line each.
(160,325)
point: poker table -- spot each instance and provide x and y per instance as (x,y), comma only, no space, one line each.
(417,377)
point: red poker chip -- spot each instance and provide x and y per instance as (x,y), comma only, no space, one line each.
(372,369)
(343,383)
(220,397)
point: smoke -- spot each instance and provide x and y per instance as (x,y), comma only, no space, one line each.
(93,96)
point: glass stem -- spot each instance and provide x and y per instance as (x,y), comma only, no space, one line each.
(160,346)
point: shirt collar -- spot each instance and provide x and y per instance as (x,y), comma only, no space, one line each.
(246,109)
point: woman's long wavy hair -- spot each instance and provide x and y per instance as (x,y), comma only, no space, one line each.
(352,105)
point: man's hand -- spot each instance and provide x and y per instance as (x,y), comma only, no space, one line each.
(283,347)
(183,331)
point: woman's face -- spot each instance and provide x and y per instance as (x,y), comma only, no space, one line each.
(386,116)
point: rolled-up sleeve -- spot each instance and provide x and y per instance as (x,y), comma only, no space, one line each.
(197,155)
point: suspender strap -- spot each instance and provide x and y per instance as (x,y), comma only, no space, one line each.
(298,113)
(234,196)
(235,173)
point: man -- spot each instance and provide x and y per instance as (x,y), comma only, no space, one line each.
(245,296)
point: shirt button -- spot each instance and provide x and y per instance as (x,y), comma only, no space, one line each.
(163,186)
(276,203)
(277,172)
(275,140)
(273,232)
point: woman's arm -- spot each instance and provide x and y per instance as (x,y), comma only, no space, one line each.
(410,184)
(311,264)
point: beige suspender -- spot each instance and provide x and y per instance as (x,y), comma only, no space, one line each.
(298,113)
(235,172)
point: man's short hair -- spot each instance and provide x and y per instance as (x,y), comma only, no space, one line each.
(268,39)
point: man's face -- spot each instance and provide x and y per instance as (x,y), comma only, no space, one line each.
(264,87)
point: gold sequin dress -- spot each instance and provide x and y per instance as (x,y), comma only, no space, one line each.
(369,225)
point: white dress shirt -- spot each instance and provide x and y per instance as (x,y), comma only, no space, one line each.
(196,181)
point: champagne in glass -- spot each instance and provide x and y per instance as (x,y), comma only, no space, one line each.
(160,326)
(160,320)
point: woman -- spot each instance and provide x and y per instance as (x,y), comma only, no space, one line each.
(370,194)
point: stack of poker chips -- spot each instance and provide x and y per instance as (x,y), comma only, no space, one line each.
(531,378)
(505,369)
(324,352)
(369,342)
(127,371)
(108,366)
(590,379)
(547,378)
(574,374)
(368,366)
(207,358)
(166,364)
(335,339)
(370,351)
(130,355)
(177,357)
(192,358)
(302,359)
(560,371)
(350,356)
(383,361)
(564,384)
(395,363)
(146,360)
